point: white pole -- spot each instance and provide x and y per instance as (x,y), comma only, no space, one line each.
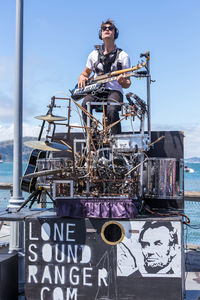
(17,228)
(17,199)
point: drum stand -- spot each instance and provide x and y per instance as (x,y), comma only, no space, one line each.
(36,196)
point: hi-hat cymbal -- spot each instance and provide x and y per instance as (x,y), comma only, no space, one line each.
(43,173)
(46,146)
(51,118)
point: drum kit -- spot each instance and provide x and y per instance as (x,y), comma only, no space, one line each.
(45,146)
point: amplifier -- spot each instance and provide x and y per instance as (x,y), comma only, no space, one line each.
(8,276)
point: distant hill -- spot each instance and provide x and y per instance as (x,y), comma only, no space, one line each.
(6,149)
(192,160)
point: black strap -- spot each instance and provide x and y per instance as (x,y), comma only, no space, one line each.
(107,60)
(117,65)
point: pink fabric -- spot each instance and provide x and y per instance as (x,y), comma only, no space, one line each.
(96,208)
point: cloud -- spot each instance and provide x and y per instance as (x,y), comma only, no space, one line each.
(39,79)
(7,132)
(191,139)
(30,130)
(6,88)
(6,105)
(6,68)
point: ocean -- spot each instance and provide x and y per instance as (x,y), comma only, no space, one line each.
(6,175)
(191,183)
(192,180)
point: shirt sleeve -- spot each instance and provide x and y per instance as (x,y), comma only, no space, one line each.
(126,62)
(91,60)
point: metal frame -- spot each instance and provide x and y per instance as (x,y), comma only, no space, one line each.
(71,182)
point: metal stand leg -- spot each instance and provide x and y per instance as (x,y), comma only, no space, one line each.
(33,197)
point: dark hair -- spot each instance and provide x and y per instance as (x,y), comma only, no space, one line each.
(112,23)
(156,224)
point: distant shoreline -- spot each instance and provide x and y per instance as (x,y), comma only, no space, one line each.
(187,160)
(187,194)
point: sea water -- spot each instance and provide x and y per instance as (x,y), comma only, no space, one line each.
(191,183)
(6,176)
(192,180)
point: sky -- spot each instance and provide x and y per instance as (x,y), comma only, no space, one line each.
(59,35)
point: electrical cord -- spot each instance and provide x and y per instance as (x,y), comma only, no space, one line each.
(169,215)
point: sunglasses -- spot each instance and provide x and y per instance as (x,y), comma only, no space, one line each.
(107,27)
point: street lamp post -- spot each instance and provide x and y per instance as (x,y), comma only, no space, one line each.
(17,228)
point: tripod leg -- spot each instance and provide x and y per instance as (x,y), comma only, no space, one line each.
(39,197)
(51,198)
(42,198)
(27,200)
(38,192)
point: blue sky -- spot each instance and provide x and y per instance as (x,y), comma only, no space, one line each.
(58,36)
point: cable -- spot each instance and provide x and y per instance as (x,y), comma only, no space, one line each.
(194,226)
(169,215)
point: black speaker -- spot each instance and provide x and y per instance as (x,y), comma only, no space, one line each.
(8,276)
(170,146)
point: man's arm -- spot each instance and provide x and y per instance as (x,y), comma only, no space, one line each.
(84,77)
(126,64)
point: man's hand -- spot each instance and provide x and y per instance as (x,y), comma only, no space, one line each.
(81,81)
(124,81)
(126,262)
(84,77)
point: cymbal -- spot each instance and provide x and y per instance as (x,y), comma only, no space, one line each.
(46,146)
(43,173)
(51,118)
